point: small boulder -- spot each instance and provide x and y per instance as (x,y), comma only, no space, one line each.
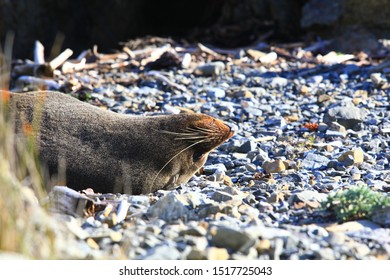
(274,166)
(347,116)
(356,155)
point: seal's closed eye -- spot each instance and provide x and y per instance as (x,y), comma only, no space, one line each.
(197,156)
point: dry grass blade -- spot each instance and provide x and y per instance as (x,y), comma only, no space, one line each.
(24,225)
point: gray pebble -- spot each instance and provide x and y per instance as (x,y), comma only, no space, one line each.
(221,196)
(246,147)
(169,208)
(227,237)
(314,161)
(163,252)
(214,92)
(211,169)
(348,116)
(278,82)
(211,68)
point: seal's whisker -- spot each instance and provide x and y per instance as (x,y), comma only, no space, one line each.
(192,138)
(205,129)
(199,129)
(162,168)
(179,133)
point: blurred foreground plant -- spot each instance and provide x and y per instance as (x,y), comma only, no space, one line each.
(24,225)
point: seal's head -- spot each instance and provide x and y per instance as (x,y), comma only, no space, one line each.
(206,133)
(194,138)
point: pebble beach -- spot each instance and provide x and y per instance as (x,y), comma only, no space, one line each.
(308,128)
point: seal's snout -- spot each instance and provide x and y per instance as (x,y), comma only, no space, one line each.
(231,131)
(215,130)
(227,130)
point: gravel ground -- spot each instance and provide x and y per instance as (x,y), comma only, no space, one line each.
(307,126)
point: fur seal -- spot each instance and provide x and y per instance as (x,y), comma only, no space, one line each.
(112,152)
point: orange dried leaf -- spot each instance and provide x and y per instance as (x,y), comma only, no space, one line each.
(27,129)
(5,96)
(311,126)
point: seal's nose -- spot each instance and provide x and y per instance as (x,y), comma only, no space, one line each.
(231,132)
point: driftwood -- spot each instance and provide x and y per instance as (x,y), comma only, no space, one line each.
(209,51)
(39,53)
(40,68)
(159,76)
(36,70)
(198,59)
(155,54)
(67,201)
(186,61)
(122,210)
(40,83)
(70,67)
(333,58)
(59,60)
(379,67)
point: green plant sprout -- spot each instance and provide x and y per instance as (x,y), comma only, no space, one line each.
(358,202)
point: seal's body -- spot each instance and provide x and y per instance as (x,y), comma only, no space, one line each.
(111,152)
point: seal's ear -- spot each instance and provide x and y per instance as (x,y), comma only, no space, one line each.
(185,110)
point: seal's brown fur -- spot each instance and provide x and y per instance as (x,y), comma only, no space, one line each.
(111,152)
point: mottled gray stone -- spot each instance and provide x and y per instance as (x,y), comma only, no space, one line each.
(247,146)
(210,69)
(314,161)
(214,92)
(348,116)
(221,196)
(169,208)
(162,252)
(227,237)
